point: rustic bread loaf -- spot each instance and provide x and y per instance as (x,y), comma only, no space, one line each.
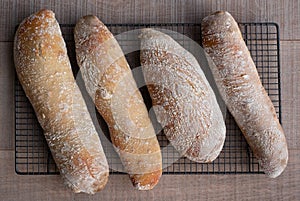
(44,71)
(109,81)
(182,98)
(238,81)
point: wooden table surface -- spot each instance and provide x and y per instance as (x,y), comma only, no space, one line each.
(171,187)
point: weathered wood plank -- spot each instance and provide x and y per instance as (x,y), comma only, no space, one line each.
(171,187)
(6,98)
(290,85)
(286,13)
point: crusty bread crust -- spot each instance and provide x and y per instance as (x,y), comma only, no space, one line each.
(182,98)
(109,81)
(45,73)
(240,87)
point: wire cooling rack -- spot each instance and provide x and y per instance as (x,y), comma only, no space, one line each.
(32,155)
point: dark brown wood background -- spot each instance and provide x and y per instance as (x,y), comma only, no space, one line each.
(171,187)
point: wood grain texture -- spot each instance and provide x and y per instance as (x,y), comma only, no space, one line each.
(285,13)
(200,187)
(171,187)
(6,98)
(290,93)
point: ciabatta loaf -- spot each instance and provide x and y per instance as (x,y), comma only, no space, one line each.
(109,81)
(182,98)
(238,81)
(45,74)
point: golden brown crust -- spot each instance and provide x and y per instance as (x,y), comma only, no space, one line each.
(45,73)
(109,81)
(239,84)
(182,98)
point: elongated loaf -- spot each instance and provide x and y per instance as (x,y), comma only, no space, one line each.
(45,73)
(182,98)
(109,81)
(237,79)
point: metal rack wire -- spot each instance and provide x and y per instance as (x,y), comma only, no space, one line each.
(32,155)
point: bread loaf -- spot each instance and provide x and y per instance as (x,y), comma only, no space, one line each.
(44,71)
(182,98)
(109,81)
(238,82)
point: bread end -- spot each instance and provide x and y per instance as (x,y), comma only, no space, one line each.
(146,181)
